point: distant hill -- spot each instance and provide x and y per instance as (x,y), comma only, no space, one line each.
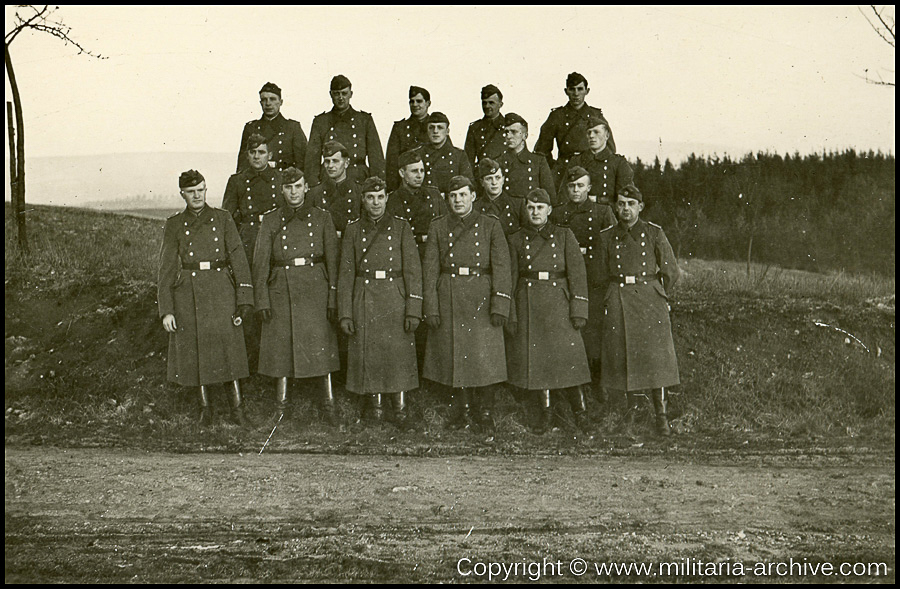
(120,181)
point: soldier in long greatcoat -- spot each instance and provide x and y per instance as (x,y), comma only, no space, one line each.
(566,126)
(610,172)
(380,302)
(525,171)
(587,219)
(337,193)
(442,160)
(353,128)
(418,204)
(204,287)
(407,134)
(545,351)
(250,194)
(484,139)
(637,270)
(466,286)
(295,268)
(494,200)
(285,137)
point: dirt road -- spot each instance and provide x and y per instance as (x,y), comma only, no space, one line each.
(125,516)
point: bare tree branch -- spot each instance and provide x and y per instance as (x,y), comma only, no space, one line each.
(884,28)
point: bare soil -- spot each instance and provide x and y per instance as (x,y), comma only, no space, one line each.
(106,515)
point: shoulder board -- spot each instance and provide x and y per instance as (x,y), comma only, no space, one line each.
(267,213)
(352,221)
(172,216)
(217,209)
(607,229)
(556,108)
(364,113)
(474,123)
(491,215)
(654,224)
(401,218)
(439,217)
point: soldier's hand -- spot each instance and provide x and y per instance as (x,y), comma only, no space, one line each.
(578,322)
(433,321)
(265,315)
(245,311)
(347,326)
(332,315)
(169,323)
(498,320)
(512,327)
(410,324)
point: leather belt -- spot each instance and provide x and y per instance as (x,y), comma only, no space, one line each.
(626,280)
(542,275)
(466,271)
(213,265)
(307,261)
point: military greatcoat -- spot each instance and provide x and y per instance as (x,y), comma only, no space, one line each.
(443,163)
(484,139)
(568,127)
(466,278)
(587,220)
(341,199)
(405,135)
(248,196)
(355,130)
(284,137)
(547,352)
(609,171)
(380,284)
(295,271)
(507,209)
(526,171)
(418,206)
(637,268)
(203,277)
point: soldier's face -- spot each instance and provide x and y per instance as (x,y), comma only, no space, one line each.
(577,94)
(491,106)
(258,157)
(270,103)
(578,189)
(628,209)
(413,174)
(538,212)
(294,194)
(195,197)
(493,183)
(418,106)
(375,203)
(597,137)
(460,201)
(341,98)
(514,136)
(437,133)
(336,165)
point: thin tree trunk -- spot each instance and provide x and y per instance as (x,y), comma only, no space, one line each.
(19,192)
(12,157)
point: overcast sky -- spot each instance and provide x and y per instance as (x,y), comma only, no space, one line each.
(180,79)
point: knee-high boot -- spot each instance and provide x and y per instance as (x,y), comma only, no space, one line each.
(660,407)
(237,406)
(205,410)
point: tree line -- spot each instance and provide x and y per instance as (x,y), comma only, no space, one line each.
(828,211)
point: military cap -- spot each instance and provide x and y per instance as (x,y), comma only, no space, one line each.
(576,172)
(291,175)
(339,82)
(486,166)
(539,195)
(594,119)
(438,117)
(512,118)
(409,157)
(272,88)
(373,184)
(190,178)
(574,79)
(416,90)
(332,147)
(458,182)
(631,191)
(490,90)
(255,141)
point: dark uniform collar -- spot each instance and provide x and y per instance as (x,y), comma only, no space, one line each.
(447,144)
(467,221)
(276,119)
(288,213)
(546,231)
(581,207)
(635,232)
(192,215)
(604,154)
(497,122)
(384,222)
(580,111)
(523,156)
(265,173)
(343,115)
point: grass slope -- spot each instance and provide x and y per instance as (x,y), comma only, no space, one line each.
(777,359)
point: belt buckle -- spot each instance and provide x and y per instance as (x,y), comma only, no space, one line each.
(205,266)
(299,261)
(380,274)
(424,238)
(629,280)
(543,276)
(583,250)
(261,218)
(464,271)
(339,234)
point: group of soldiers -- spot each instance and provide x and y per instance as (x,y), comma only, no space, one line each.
(478,268)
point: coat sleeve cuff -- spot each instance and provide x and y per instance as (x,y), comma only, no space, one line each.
(414,306)
(578,307)
(500,302)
